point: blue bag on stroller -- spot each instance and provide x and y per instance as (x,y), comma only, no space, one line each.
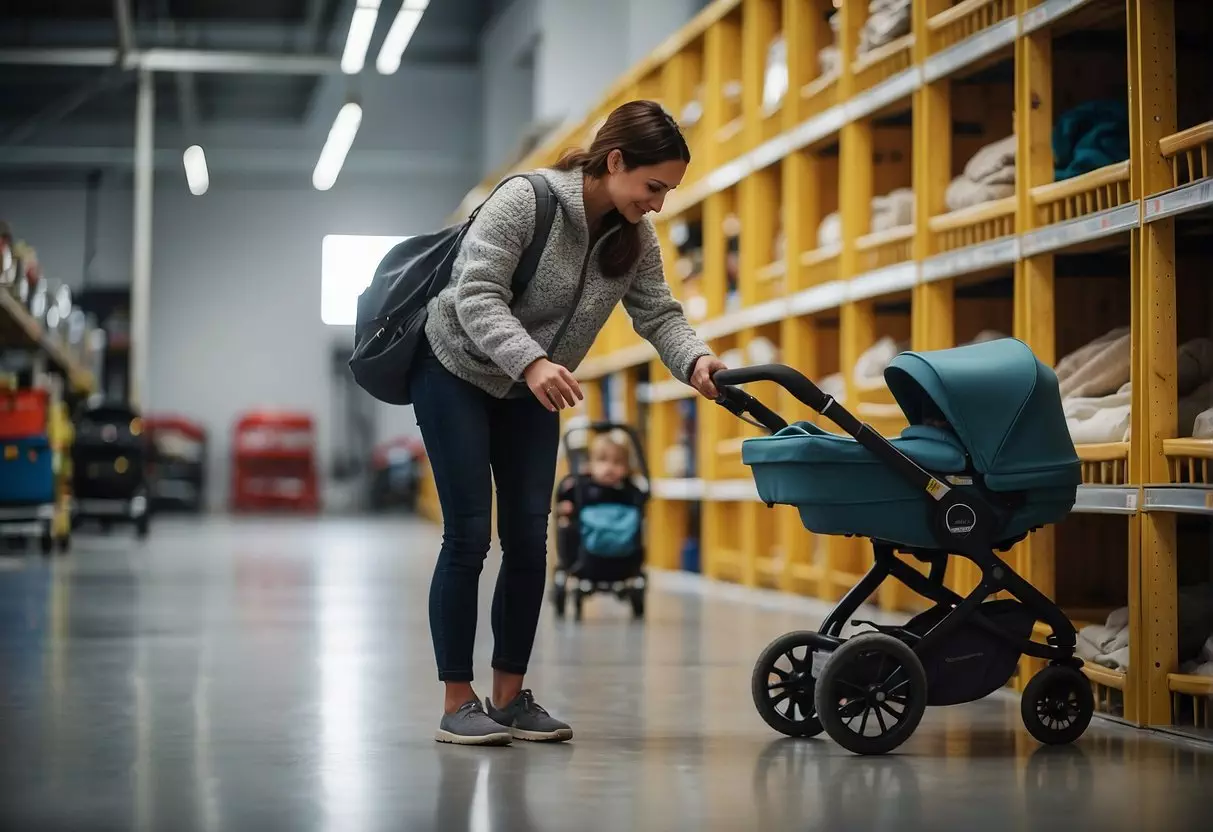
(986,459)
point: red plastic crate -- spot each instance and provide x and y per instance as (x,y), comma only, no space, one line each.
(274,463)
(23,413)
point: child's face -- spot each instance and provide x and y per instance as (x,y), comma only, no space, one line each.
(609,466)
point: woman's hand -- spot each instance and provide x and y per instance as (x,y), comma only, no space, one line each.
(701,375)
(552,384)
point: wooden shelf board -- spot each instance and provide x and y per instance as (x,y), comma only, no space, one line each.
(1188,139)
(1190,685)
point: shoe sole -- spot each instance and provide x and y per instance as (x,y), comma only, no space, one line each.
(502,738)
(559,735)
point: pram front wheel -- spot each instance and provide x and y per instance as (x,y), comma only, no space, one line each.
(782,684)
(872,694)
(1057,704)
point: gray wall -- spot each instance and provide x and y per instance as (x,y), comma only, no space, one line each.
(507,68)
(236,273)
(235,290)
(549,61)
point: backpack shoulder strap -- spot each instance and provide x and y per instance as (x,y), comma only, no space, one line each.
(545,214)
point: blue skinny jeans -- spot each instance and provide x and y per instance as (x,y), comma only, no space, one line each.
(474,440)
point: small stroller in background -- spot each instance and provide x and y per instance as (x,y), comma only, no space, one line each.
(601,547)
(109,467)
(987,458)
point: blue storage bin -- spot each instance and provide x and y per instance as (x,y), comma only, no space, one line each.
(27,471)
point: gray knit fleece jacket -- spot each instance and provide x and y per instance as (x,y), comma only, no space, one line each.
(481,335)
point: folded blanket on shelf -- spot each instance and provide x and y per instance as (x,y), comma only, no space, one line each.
(829,231)
(1105,418)
(1202,428)
(1194,365)
(1202,665)
(1096,419)
(835,386)
(1090,136)
(1098,368)
(869,369)
(829,58)
(762,351)
(892,210)
(987,176)
(1107,644)
(965,193)
(1192,407)
(887,21)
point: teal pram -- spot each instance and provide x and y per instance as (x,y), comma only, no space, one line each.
(986,459)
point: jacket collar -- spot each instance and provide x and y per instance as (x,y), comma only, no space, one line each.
(568,187)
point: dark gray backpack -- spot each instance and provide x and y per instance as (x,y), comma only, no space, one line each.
(392,309)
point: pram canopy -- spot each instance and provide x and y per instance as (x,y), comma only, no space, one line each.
(1004,405)
(1007,425)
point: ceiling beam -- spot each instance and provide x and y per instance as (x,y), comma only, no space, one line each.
(177,60)
(126,32)
(310,35)
(242,161)
(63,106)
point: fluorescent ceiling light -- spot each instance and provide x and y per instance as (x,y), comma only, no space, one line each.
(332,155)
(362,26)
(399,35)
(196,175)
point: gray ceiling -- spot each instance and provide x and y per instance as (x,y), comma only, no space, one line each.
(38,100)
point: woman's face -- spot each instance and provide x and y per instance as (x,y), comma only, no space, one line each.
(640,190)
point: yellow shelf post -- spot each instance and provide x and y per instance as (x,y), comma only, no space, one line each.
(1153,116)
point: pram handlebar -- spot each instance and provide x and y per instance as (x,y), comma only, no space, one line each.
(790,380)
(738,403)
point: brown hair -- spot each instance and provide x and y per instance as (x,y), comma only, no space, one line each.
(644,134)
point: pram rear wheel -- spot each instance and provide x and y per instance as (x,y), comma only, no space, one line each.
(559,593)
(782,683)
(637,599)
(872,694)
(1057,704)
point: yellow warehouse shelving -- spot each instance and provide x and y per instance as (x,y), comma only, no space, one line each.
(972,167)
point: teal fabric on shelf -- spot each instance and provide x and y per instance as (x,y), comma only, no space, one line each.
(1006,424)
(1090,136)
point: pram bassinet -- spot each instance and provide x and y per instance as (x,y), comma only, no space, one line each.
(1007,430)
(987,457)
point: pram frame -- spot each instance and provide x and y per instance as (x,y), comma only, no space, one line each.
(977,542)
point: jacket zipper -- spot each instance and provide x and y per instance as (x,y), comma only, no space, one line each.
(585,265)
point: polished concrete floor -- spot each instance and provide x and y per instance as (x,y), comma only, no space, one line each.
(277,675)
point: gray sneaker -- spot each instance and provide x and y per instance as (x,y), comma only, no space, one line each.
(528,721)
(470,725)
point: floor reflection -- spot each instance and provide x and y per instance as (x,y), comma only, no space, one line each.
(278,675)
